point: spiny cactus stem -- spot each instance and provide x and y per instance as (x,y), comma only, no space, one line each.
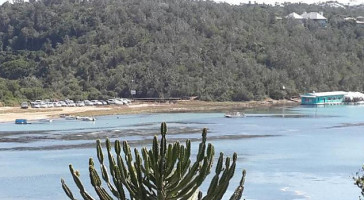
(204,134)
(79,184)
(240,189)
(163,128)
(159,173)
(91,162)
(242,181)
(100,155)
(67,190)
(155,149)
(117,147)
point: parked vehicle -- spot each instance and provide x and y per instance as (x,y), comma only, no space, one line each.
(50,104)
(111,101)
(128,101)
(88,103)
(63,104)
(119,102)
(70,103)
(24,105)
(57,104)
(35,105)
(80,104)
(43,105)
(96,102)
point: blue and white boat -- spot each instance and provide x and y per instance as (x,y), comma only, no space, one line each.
(21,121)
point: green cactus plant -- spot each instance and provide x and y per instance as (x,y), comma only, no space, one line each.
(160,173)
(359,181)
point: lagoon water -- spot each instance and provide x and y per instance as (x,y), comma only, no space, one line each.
(289,153)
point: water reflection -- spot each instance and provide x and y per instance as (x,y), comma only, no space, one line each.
(297,154)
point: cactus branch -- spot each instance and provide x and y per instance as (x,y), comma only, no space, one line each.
(165,171)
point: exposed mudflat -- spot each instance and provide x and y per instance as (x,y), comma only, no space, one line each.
(87,139)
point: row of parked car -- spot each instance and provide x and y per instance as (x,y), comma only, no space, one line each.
(71,103)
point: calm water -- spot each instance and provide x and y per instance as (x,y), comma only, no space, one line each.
(290,153)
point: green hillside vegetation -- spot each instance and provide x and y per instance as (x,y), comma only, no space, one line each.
(175,48)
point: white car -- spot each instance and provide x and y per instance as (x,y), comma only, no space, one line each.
(43,105)
(24,105)
(128,101)
(96,102)
(63,104)
(88,103)
(111,101)
(80,104)
(50,105)
(57,104)
(119,102)
(35,105)
(70,103)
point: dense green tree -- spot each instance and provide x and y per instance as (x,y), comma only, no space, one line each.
(216,51)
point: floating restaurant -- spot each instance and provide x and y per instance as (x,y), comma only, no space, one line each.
(323,98)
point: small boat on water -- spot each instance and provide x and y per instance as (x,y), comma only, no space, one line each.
(64,115)
(71,117)
(46,120)
(234,115)
(21,121)
(86,118)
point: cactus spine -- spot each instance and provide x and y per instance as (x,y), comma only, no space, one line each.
(164,172)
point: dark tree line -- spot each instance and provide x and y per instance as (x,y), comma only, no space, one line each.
(174,48)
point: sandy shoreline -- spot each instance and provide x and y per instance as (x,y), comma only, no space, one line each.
(9,114)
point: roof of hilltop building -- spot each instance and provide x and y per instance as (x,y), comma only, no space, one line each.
(322,94)
(313,15)
(294,16)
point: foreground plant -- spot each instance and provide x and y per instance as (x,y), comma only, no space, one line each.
(162,172)
(359,181)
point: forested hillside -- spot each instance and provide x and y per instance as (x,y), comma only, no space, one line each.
(174,48)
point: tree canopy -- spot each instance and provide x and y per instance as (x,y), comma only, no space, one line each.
(174,48)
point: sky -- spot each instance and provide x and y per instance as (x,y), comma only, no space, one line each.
(351,2)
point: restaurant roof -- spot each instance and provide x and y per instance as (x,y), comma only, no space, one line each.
(322,94)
